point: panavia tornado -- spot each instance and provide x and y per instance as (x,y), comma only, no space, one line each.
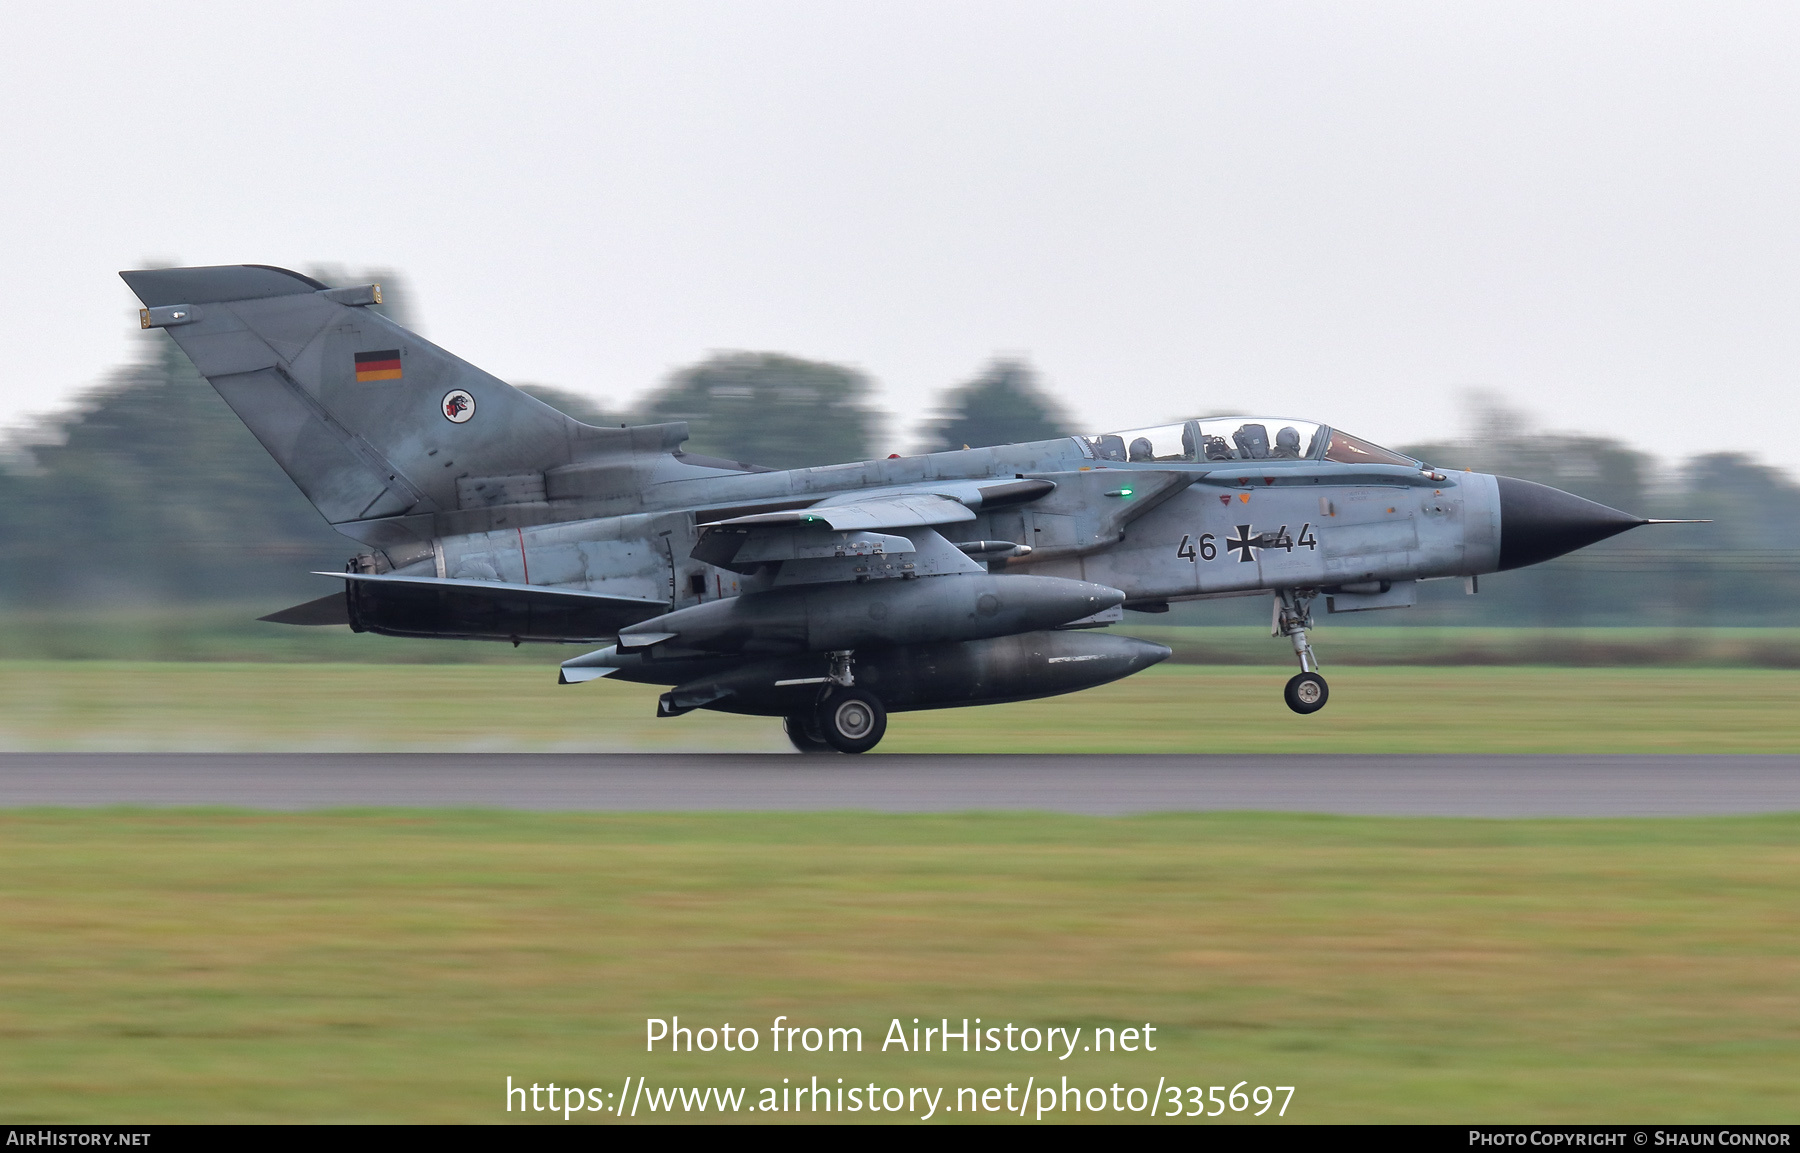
(826,596)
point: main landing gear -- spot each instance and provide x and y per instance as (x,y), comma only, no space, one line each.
(803,733)
(846,719)
(1306,692)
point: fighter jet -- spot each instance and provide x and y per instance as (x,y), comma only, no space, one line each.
(829,596)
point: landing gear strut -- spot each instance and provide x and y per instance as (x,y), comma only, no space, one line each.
(1306,692)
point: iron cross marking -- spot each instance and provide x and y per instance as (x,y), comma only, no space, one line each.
(1243,544)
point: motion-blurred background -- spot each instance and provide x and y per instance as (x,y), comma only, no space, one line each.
(1555,242)
(145,492)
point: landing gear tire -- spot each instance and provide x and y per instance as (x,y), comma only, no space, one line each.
(803,734)
(851,720)
(1306,693)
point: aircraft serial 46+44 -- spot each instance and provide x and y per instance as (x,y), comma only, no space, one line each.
(826,596)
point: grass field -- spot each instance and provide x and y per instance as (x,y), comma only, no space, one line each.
(399,966)
(1426,645)
(1168,709)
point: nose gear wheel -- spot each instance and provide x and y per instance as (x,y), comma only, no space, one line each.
(1306,693)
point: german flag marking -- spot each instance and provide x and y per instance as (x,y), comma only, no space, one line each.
(383,365)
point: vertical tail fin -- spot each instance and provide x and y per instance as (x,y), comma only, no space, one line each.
(370,420)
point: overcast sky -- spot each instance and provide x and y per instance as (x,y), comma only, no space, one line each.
(1347,212)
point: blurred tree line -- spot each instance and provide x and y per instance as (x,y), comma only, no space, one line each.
(1742,569)
(148,490)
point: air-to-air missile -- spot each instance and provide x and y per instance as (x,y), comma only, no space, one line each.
(825,596)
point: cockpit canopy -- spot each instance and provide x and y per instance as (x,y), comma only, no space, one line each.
(1235,438)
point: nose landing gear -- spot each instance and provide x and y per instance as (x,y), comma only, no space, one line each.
(1306,692)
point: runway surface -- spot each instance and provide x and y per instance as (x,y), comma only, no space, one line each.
(1475,786)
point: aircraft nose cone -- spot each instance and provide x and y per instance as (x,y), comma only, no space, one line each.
(1538,522)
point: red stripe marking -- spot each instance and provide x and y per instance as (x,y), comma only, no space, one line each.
(377,365)
(522,559)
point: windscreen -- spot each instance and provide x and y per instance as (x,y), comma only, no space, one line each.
(1347,449)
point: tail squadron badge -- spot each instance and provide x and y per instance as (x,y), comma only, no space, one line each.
(459,406)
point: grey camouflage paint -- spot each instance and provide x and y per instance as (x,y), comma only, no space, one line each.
(518,522)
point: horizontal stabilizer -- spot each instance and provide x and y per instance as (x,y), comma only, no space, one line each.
(501,590)
(409,606)
(331,609)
